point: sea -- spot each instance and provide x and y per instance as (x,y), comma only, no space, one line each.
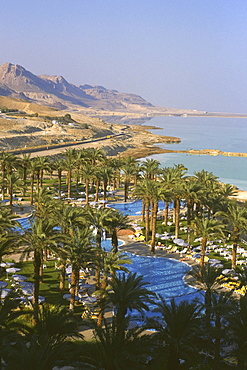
(225,134)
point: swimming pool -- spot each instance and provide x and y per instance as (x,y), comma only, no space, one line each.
(134,208)
(164,275)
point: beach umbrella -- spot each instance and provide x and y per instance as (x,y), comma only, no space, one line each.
(41,299)
(19,277)
(10,263)
(228,272)
(27,290)
(165,237)
(88,299)
(67,296)
(5,292)
(3,284)
(12,270)
(68,269)
(26,284)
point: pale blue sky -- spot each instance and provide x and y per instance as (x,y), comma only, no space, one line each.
(174,53)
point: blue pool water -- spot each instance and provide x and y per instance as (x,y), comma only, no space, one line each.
(133,208)
(164,275)
(25,224)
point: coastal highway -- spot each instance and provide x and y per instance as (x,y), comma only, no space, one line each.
(56,149)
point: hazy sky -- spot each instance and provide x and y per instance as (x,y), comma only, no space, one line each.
(174,53)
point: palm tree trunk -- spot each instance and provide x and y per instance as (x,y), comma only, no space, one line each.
(72,290)
(69,183)
(166,213)
(203,252)
(102,302)
(96,191)
(37,264)
(98,246)
(62,276)
(147,221)
(87,191)
(234,254)
(59,182)
(32,187)
(114,241)
(177,211)
(154,223)
(143,210)
(126,185)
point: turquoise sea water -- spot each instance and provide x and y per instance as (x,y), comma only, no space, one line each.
(226,134)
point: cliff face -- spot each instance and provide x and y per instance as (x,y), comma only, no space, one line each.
(16,81)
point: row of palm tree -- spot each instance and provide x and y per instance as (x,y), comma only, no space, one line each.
(186,335)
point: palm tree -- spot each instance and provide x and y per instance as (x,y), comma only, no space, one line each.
(40,237)
(8,245)
(206,228)
(80,253)
(24,163)
(235,218)
(55,325)
(8,161)
(43,163)
(150,167)
(70,220)
(237,320)
(207,181)
(50,342)
(33,170)
(129,170)
(207,278)
(59,167)
(222,304)
(70,164)
(87,174)
(11,330)
(118,221)
(7,220)
(95,154)
(12,182)
(143,191)
(180,332)
(108,263)
(117,350)
(191,193)
(158,192)
(129,292)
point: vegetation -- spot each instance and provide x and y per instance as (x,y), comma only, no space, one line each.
(186,335)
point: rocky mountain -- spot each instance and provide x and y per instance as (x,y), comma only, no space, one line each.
(55,91)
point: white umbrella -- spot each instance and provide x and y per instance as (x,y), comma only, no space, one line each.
(3,284)
(41,299)
(19,277)
(67,296)
(26,284)
(3,264)
(5,292)
(12,270)
(88,299)
(84,285)
(27,290)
